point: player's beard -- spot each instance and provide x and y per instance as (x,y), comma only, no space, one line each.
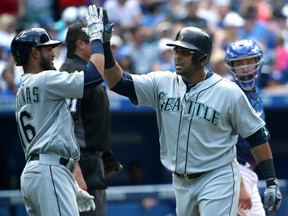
(46,63)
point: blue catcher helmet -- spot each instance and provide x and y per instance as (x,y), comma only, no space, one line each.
(245,74)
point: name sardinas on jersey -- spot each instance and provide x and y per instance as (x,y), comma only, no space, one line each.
(27,96)
(192,108)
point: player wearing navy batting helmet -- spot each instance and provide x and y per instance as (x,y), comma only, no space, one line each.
(199,116)
(44,121)
(28,39)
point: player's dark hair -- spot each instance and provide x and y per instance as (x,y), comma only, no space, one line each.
(75,33)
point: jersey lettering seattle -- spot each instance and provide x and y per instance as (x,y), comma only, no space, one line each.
(192,108)
(28,96)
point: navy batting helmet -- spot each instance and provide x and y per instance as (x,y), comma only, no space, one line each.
(197,40)
(26,40)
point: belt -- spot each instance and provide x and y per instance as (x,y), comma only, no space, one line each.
(189,177)
(63,161)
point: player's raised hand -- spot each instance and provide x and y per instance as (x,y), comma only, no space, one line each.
(94,18)
(108,27)
(272,196)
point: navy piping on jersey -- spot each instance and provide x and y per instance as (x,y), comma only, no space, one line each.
(177,146)
(232,201)
(126,88)
(209,74)
(58,204)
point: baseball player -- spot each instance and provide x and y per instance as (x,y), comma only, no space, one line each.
(44,121)
(199,116)
(244,60)
(92,122)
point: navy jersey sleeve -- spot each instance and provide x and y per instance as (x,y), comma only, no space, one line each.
(126,88)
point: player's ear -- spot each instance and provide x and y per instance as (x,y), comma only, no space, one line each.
(81,44)
(204,59)
(34,53)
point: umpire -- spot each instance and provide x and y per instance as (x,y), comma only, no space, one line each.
(92,122)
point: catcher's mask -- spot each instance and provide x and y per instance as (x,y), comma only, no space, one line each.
(244,49)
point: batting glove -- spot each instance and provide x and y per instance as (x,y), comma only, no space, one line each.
(272,196)
(108,28)
(94,18)
(84,200)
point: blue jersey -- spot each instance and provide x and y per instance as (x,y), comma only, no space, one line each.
(244,153)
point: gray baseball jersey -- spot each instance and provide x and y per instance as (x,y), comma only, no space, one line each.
(44,121)
(198,129)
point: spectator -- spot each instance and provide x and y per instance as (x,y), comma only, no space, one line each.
(10,87)
(208,10)
(68,16)
(141,53)
(37,14)
(191,18)
(126,13)
(223,7)
(125,60)
(174,10)
(153,16)
(217,63)
(232,22)
(7,30)
(3,63)
(61,5)
(253,29)
(163,30)
(279,68)
(165,57)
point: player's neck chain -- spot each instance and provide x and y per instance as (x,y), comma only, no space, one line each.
(205,75)
(191,85)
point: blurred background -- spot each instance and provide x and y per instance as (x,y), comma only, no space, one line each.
(142,29)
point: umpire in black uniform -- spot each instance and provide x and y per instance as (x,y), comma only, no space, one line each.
(92,122)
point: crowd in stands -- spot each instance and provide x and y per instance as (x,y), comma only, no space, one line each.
(143,27)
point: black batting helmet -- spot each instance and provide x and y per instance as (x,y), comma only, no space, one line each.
(195,39)
(26,40)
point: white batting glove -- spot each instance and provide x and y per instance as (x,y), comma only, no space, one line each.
(94,18)
(84,200)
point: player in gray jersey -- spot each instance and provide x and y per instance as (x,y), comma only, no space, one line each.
(44,121)
(199,116)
